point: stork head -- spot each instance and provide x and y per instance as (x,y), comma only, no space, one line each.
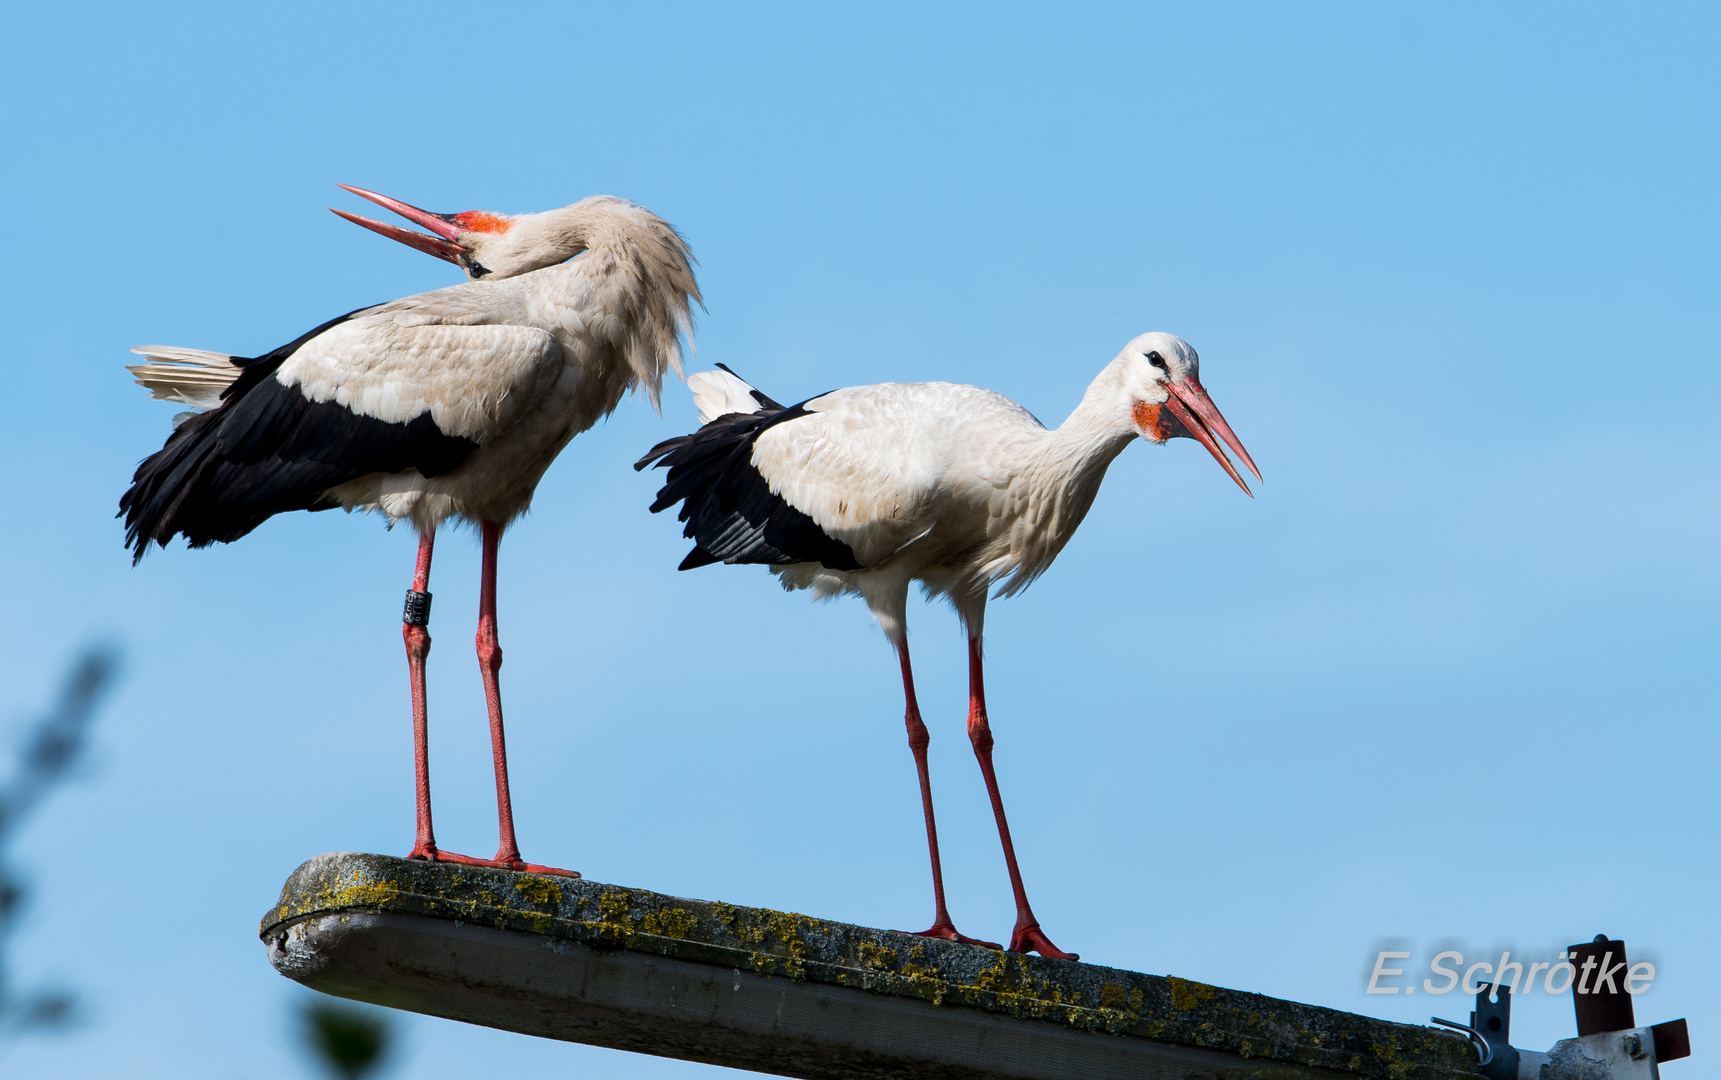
(483,244)
(1161,376)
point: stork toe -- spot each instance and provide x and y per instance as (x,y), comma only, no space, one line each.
(948,932)
(534,868)
(433,854)
(1031,938)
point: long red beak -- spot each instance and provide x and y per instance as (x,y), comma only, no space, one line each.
(1195,410)
(443,244)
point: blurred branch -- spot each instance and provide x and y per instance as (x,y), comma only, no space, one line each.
(51,748)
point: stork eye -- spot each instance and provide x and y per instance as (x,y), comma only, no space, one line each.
(1158,361)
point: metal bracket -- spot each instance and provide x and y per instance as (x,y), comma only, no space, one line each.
(1490,1029)
(1609,1045)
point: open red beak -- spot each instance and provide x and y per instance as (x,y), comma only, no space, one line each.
(1195,410)
(443,244)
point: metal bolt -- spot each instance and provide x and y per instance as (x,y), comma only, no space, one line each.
(1634,1046)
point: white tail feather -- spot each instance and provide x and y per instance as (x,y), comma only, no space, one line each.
(192,377)
(718,393)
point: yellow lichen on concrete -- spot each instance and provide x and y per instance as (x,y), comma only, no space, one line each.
(1009,985)
(366,894)
(1185,995)
(877,957)
(926,982)
(1120,1007)
(614,928)
(670,922)
(538,889)
(614,906)
(1388,1052)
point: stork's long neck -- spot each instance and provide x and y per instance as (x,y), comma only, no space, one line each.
(1061,476)
(639,271)
(1075,456)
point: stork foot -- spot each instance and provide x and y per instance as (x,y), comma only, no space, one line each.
(431,854)
(535,868)
(1031,938)
(947,931)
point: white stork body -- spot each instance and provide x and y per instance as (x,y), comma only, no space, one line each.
(870,489)
(952,486)
(450,403)
(500,373)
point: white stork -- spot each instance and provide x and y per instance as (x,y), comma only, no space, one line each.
(448,404)
(868,489)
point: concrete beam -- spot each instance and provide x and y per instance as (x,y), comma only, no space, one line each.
(787,994)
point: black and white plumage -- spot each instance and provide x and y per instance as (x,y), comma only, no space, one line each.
(448,404)
(870,489)
(732,511)
(264,447)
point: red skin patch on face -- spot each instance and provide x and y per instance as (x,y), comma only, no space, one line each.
(1158,423)
(1147,419)
(482,221)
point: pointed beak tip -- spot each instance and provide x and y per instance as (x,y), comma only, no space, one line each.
(1209,422)
(1244,484)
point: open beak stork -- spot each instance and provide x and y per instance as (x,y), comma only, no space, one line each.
(450,236)
(448,404)
(869,489)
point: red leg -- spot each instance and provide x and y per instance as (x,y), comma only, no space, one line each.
(1027,937)
(417,636)
(490,664)
(415,630)
(918,739)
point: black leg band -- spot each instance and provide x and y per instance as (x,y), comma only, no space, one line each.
(417,608)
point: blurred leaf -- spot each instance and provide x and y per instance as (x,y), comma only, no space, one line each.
(350,1041)
(49,1010)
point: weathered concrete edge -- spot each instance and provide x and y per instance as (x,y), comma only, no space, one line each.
(1085,997)
(670,1007)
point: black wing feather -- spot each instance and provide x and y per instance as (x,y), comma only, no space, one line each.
(267,449)
(730,512)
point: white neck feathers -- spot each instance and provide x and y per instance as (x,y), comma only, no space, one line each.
(1056,488)
(640,269)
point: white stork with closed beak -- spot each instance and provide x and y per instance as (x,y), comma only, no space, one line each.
(448,404)
(868,489)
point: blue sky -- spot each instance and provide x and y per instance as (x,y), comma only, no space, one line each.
(1451,677)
